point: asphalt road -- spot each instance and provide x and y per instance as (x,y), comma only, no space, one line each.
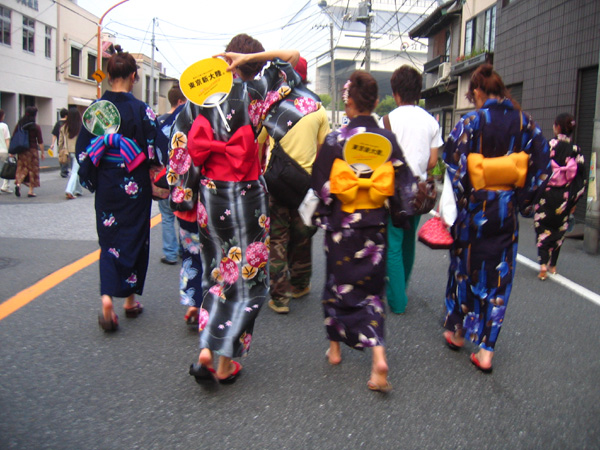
(67,385)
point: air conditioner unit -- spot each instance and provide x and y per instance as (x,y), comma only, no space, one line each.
(444,70)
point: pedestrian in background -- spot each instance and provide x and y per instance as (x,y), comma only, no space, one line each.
(67,141)
(560,197)
(64,166)
(123,194)
(4,144)
(169,235)
(355,232)
(419,137)
(28,161)
(299,132)
(498,162)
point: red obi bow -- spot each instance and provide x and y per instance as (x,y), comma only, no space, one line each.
(563,175)
(240,150)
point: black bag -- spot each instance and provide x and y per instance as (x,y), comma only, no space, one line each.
(426,194)
(88,173)
(9,169)
(19,142)
(287,180)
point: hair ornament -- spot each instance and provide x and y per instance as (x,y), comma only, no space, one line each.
(346,91)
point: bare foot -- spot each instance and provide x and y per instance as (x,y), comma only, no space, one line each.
(227,368)
(485,358)
(552,270)
(206,358)
(453,339)
(129,302)
(334,353)
(107,307)
(379,370)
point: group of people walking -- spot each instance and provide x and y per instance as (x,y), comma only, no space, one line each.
(241,240)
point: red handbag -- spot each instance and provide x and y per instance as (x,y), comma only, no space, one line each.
(434,234)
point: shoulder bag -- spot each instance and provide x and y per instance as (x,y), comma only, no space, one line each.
(426,194)
(287,180)
(19,142)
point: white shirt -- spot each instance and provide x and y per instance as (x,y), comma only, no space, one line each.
(4,135)
(417,132)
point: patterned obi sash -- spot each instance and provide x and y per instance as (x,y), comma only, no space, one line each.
(361,193)
(116,148)
(503,173)
(563,175)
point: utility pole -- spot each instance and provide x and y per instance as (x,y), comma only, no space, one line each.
(364,16)
(592,217)
(152,84)
(332,87)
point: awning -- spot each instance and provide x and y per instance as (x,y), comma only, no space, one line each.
(107,49)
(80,101)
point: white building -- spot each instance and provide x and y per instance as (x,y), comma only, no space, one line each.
(28,35)
(309,31)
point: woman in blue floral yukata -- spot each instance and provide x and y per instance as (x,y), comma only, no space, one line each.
(355,238)
(498,162)
(123,192)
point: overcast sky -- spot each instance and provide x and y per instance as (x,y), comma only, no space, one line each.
(190,30)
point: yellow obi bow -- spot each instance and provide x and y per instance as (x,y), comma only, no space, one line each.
(361,193)
(497,174)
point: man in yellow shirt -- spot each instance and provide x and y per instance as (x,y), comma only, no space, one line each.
(297,126)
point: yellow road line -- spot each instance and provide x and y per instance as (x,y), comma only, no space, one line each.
(26,296)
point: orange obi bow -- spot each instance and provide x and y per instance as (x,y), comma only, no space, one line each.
(361,193)
(497,174)
(201,144)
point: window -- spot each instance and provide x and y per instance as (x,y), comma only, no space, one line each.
(489,32)
(480,32)
(28,34)
(447,45)
(75,61)
(91,66)
(470,36)
(4,25)
(48,42)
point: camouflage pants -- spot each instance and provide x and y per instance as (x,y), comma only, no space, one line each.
(290,254)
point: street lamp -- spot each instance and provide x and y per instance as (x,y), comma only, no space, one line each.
(99,58)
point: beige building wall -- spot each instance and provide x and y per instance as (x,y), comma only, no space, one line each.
(77,49)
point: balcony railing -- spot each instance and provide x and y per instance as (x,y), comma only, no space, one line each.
(432,66)
(471,63)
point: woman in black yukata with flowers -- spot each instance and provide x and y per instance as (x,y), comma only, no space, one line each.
(232,209)
(355,238)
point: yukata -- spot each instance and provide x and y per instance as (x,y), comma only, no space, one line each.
(123,195)
(232,208)
(486,231)
(565,188)
(355,245)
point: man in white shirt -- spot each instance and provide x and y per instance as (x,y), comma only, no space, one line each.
(4,143)
(419,136)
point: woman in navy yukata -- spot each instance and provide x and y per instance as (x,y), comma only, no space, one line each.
(498,162)
(232,209)
(123,192)
(355,238)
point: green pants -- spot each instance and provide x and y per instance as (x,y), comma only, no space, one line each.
(400,260)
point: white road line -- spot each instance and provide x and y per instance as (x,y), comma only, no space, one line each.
(579,290)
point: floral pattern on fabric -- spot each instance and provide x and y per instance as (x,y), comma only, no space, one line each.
(483,256)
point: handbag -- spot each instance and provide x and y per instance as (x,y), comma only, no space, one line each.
(63,156)
(9,169)
(19,142)
(435,234)
(287,180)
(426,193)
